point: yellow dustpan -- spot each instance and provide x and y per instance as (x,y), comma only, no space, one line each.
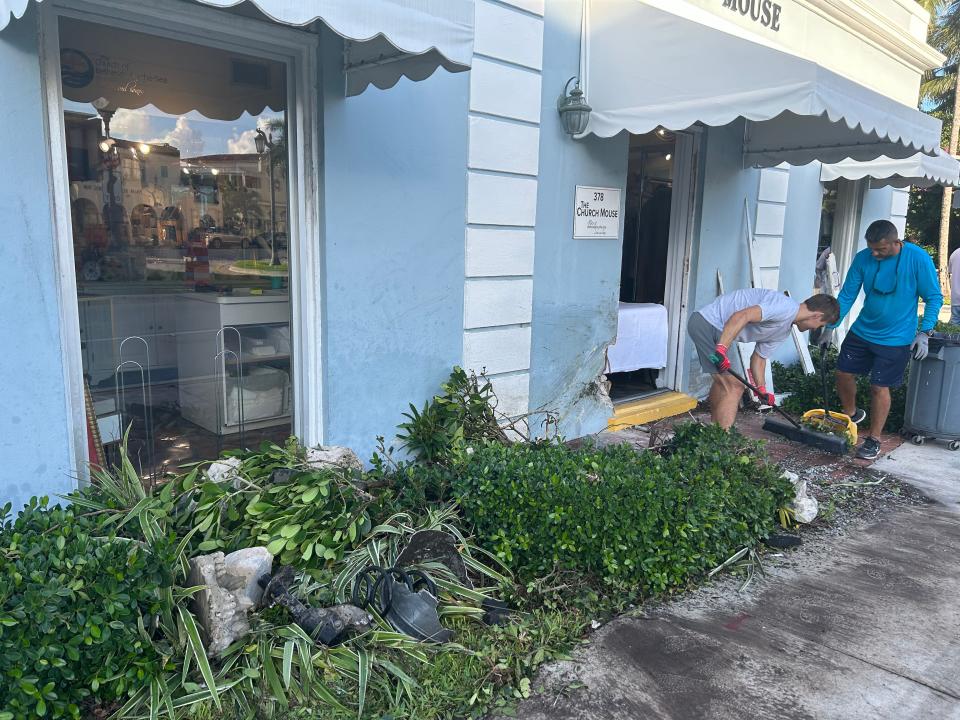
(831,422)
(823,420)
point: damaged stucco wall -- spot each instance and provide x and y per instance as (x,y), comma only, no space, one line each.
(576,282)
(34,428)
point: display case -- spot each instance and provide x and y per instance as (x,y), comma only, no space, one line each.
(233,354)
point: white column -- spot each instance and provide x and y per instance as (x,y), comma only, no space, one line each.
(502,184)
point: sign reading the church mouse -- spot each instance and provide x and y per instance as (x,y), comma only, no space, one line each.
(596,213)
(765,12)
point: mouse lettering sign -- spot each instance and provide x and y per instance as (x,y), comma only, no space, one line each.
(765,12)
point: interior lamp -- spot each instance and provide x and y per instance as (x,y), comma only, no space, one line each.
(573,108)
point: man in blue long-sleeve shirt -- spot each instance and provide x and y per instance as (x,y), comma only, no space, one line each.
(893,275)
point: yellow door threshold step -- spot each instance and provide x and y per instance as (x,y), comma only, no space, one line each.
(649,409)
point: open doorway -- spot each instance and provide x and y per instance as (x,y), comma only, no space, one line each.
(637,361)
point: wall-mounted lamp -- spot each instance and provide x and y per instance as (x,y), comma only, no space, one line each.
(144,148)
(573,109)
(262,141)
(668,157)
(106,144)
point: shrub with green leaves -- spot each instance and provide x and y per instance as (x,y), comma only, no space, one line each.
(305,516)
(648,520)
(75,608)
(464,413)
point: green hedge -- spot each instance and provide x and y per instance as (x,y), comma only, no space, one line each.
(642,520)
(74,611)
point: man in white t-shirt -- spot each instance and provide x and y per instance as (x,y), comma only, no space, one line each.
(953,265)
(753,315)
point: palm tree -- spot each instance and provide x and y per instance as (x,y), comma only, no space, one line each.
(940,93)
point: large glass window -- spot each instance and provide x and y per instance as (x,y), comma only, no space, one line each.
(177,159)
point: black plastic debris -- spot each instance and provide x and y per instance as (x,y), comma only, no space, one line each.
(407,599)
(327,626)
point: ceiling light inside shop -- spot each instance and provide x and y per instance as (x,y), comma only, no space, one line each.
(668,157)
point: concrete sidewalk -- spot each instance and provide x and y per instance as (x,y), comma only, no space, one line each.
(856,627)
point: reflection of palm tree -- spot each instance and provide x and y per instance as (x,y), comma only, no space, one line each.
(239,202)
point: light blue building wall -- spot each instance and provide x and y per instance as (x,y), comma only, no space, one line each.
(720,244)
(394,204)
(34,446)
(576,282)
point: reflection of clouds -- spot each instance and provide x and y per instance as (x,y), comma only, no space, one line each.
(193,133)
(140,126)
(243,143)
(188,139)
(131,124)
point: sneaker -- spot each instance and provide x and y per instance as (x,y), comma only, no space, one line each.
(859,415)
(870,450)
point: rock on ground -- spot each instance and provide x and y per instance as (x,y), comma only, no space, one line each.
(333,456)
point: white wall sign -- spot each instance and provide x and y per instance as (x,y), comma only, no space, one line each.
(596,213)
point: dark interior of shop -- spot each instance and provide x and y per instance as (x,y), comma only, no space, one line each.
(646,234)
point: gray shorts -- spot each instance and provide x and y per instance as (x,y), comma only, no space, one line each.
(705,338)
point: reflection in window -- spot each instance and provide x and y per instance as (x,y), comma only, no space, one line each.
(180,241)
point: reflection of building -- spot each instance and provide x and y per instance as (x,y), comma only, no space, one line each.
(240,197)
(139,178)
(159,197)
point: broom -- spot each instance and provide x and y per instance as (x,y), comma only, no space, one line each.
(826,419)
(797,432)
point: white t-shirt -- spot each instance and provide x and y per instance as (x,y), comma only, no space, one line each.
(778,312)
(954,266)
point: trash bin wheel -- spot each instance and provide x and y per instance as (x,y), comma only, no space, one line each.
(955,445)
(919,439)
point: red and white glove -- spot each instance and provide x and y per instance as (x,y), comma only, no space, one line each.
(766,398)
(719,358)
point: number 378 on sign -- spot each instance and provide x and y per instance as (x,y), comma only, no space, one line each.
(596,213)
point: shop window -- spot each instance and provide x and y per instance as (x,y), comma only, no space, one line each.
(182,282)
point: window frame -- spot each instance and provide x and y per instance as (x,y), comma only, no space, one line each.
(215,28)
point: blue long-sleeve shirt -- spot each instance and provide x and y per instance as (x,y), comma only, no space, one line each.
(891,319)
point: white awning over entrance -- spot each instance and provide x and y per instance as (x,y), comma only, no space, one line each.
(918,171)
(647,67)
(386,39)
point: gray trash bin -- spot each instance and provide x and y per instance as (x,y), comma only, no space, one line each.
(933,393)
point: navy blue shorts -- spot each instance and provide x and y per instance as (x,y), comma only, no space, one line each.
(885,364)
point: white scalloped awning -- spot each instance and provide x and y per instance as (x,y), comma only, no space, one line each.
(386,39)
(647,67)
(918,171)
